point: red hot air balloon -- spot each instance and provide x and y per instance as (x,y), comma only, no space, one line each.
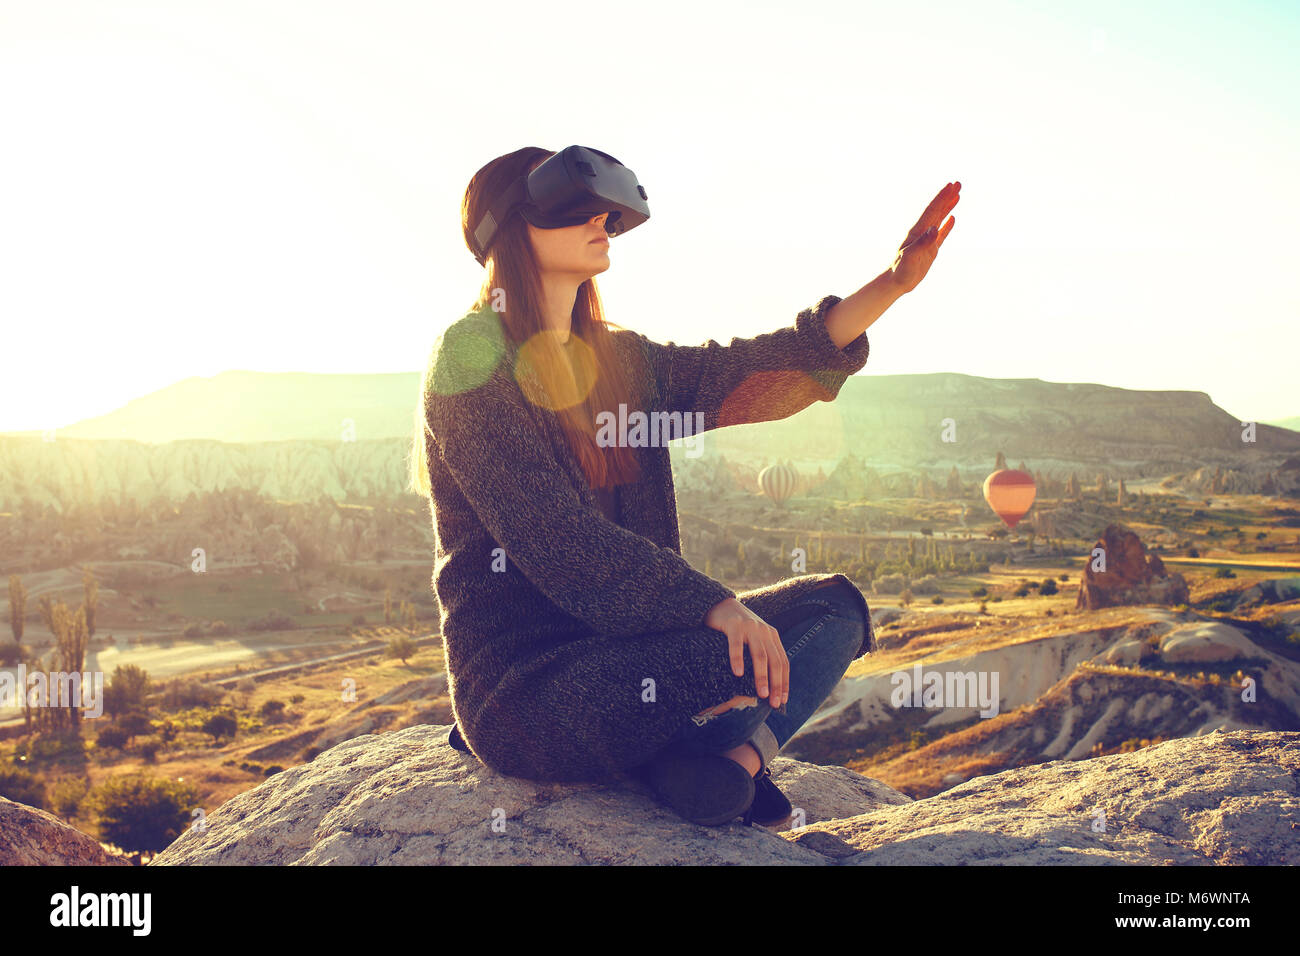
(1010,493)
(778,481)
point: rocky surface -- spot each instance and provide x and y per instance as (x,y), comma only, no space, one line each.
(1131,576)
(407,797)
(1225,798)
(31,837)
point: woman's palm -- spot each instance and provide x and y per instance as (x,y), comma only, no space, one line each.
(919,249)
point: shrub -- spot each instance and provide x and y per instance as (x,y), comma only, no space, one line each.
(134,724)
(64,746)
(310,753)
(273,620)
(181,694)
(927,585)
(272,710)
(273,770)
(905,598)
(359,620)
(1047,587)
(980,591)
(220,725)
(68,795)
(142,814)
(149,748)
(889,584)
(111,736)
(937,599)
(22,786)
(297,699)
(1224,573)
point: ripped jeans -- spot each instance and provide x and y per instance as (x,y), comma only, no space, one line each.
(821,635)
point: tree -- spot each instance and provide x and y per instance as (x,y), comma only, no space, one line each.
(401,648)
(17,607)
(90,588)
(142,814)
(388,605)
(128,689)
(70,638)
(218,726)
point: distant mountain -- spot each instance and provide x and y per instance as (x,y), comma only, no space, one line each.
(284,435)
(946,419)
(892,414)
(263,406)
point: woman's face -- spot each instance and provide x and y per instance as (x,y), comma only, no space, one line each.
(571,250)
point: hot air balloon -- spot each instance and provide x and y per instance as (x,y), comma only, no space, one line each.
(778,481)
(1010,493)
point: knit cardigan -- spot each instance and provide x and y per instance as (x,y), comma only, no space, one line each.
(575,646)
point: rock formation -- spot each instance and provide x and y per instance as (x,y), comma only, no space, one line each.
(1131,576)
(31,837)
(407,797)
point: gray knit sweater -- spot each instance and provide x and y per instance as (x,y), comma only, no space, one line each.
(576,645)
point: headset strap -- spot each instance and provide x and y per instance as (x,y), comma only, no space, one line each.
(516,193)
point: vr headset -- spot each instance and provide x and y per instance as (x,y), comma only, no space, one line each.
(567,190)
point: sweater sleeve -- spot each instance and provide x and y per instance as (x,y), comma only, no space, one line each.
(765,378)
(619,582)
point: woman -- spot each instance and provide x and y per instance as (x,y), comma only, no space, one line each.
(579,644)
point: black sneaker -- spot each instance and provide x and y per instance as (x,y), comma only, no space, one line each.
(707,789)
(770,808)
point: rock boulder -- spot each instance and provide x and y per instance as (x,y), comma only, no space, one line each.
(32,837)
(408,797)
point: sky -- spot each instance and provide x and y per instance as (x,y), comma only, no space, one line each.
(192,187)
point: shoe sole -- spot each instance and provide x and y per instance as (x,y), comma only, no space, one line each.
(707,790)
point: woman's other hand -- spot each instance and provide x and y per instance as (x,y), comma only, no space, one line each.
(771,666)
(924,239)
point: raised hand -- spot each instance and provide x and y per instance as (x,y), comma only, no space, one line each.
(919,249)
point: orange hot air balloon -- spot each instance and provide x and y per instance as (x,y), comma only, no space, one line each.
(778,481)
(1010,493)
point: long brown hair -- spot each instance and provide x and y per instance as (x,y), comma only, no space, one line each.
(513,276)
